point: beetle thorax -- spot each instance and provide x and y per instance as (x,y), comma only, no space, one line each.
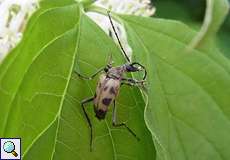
(116,72)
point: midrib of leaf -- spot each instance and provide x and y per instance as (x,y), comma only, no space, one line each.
(162,88)
(58,116)
(35,57)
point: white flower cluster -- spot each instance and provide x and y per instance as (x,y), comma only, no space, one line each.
(13,16)
(131,7)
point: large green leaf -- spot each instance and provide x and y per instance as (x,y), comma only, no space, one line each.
(40,96)
(188,98)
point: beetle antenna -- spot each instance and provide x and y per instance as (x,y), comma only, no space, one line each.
(111,22)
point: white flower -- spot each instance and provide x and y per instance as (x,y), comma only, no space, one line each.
(13,16)
(131,7)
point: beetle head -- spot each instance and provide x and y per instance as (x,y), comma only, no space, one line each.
(135,67)
(132,68)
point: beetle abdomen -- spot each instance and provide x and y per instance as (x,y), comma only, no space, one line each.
(107,90)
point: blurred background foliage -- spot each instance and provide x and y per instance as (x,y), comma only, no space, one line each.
(191,12)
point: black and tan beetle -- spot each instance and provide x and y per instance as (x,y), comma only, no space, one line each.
(108,88)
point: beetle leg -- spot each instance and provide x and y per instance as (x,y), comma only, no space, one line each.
(115,124)
(92,76)
(135,85)
(132,82)
(87,117)
(129,84)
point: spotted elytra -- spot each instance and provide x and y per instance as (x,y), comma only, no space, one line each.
(108,87)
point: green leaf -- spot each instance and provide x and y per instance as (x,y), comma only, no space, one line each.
(188,98)
(40,95)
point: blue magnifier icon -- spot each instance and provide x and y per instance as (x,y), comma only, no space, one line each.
(9,147)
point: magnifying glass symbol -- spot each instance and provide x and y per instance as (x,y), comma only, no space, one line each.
(9,147)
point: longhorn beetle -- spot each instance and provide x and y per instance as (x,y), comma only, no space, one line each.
(109,85)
